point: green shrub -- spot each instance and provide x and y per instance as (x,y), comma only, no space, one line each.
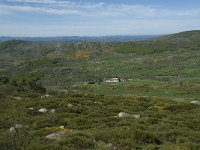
(79,141)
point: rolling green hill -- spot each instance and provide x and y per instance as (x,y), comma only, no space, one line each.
(171,58)
(159,78)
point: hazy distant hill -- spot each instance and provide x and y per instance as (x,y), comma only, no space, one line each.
(120,38)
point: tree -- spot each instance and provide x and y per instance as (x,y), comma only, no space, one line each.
(4,80)
(37,87)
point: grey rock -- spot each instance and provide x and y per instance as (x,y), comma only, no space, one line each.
(46,96)
(62,127)
(56,135)
(123,114)
(98,103)
(69,105)
(12,129)
(195,102)
(52,111)
(31,108)
(43,110)
(136,116)
(16,126)
(17,98)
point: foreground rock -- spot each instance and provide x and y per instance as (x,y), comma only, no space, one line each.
(62,127)
(43,110)
(195,102)
(136,116)
(17,98)
(31,108)
(56,135)
(70,105)
(52,111)
(123,114)
(47,96)
(16,126)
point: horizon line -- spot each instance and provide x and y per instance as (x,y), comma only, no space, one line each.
(8,36)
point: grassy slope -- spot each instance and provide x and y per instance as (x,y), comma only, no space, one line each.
(163,124)
(165,69)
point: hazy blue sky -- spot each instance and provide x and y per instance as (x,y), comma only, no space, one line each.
(97,17)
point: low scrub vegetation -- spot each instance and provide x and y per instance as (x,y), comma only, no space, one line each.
(92,122)
(56,96)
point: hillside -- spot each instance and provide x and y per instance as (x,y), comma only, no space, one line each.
(156,87)
(168,59)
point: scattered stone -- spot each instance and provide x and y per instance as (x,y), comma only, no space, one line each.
(43,110)
(123,114)
(17,98)
(52,111)
(98,103)
(56,135)
(16,126)
(46,96)
(136,116)
(130,79)
(12,129)
(123,80)
(30,108)
(69,105)
(195,102)
(62,127)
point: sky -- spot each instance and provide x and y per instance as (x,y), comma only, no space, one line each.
(42,18)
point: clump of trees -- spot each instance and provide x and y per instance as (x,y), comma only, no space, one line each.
(4,80)
(23,85)
(37,87)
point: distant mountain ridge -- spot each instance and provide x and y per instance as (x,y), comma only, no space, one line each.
(117,38)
